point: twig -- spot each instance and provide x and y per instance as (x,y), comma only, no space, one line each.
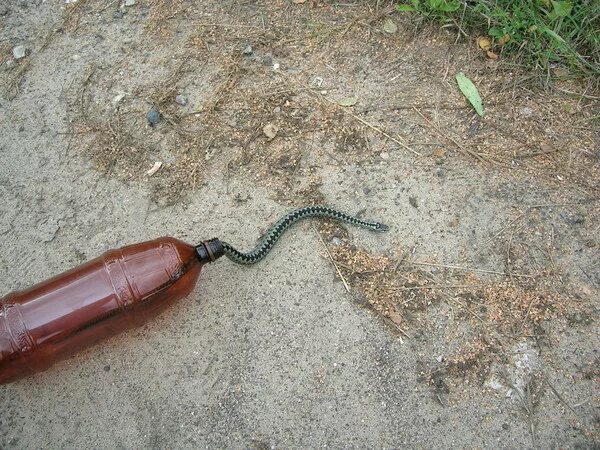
(527,313)
(379,130)
(589,97)
(333,261)
(83,89)
(371,126)
(467,308)
(562,400)
(444,135)
(467,269)
(414,288)
(504,228)
(508,260)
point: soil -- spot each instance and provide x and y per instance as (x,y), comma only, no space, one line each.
(472,322)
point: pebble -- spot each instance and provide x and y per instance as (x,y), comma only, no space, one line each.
(384,155)
(129,2)
(366,190)
(19,51)
(591,243)
(526,111)
(270,131)
(153,116)
(439,172)
(413,202)
(118,14)
(181,100)
(247,50)
(573,219)
(267,60)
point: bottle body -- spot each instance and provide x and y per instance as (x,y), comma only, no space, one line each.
(119,290)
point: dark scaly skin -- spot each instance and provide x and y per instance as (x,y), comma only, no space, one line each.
(274,233)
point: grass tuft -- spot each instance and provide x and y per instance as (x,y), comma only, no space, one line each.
(541,33)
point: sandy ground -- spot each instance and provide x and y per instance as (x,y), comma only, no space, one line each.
(416,352)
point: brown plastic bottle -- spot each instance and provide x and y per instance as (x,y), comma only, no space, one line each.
(119,290)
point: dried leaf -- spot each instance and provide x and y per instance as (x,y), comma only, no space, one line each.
(469,90)
(504,40)
(390,27)
(439,152)
(395,316)
(490,54)
(484,42)
(348,101)
(157,165)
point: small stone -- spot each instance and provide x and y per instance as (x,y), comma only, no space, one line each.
(153,116)
(270,131)
(366,190)
(129,2)
(336,240)
(384,155)
(390,26)
(247,50)
(117,98)
(413,202)
(19,52)
(277,109)
(591,243)
(276,66)
(118,14)
(439,172)
(526,111)
(267,60)
(75,57)
(106,368)
(181,100)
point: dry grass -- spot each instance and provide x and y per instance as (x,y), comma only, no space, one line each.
(487,317)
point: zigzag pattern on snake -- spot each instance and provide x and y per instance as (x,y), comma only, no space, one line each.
(274,233)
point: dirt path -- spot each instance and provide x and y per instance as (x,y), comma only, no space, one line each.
(473,322)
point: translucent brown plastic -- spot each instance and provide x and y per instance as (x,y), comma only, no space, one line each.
(120,290)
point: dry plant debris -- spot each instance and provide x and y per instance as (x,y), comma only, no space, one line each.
(497,315)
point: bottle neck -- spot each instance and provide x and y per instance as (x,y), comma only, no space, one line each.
(209,251)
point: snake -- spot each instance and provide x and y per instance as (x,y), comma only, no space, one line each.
(268,240)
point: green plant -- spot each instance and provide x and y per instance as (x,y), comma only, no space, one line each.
(540,32)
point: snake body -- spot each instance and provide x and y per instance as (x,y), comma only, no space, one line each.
(274,233)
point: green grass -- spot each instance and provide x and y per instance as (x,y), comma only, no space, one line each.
(540,33)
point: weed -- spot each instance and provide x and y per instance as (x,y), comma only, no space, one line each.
(541,33)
